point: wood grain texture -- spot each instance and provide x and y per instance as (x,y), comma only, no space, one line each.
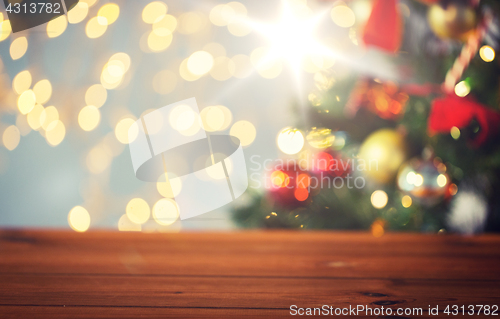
(57,274)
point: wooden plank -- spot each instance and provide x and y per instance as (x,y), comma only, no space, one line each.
(238,292)
(33,312)
(145,312)
(303,254)
(59,274)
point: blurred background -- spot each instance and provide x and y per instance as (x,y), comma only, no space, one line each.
(313,89)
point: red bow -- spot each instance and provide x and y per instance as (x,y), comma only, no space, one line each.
(453,111)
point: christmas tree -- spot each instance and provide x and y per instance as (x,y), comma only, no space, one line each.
(419,153)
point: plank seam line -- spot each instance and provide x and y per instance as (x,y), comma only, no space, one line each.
(135,306)
(248,276)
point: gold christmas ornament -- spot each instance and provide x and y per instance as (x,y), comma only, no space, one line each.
(451,20)
(383,152)
(320,138)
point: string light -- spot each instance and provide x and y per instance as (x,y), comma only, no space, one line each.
(153,11)
(43,91)
(165,212)
(55,133)
(18,48)
(108,13)
(5,29)
(11,137)
(487,53)
(22,82)
(89,117)
(462,89)
(126,131)
(78,13)
(244,131)
(290,141)
(406,201)
(79,219)
(138,211)
(94,29)
(57,26)
(125,224)
(26,101)
(379,199)
(343,16)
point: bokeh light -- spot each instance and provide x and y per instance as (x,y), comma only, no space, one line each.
(22,81)
(26,101)
(99,159)
(158,43)
(11,137)
(94,29)
(138,211)
(153,11)
(48,116)
(34,117)
(280,179)
(78,13)
(43,91)
(18,48)
(79,219)
(216,118)
(165,25)
(378,228)
(55,133)
(96,95)
(108,13)
(442,180)
(320,138)
(123,132)
(455,132)
(57,26)
(343,16)
(125,224)
(419,180)
(301,194)
(290,141)
(200,63)
(182,117)
(462,89)
(406,201)
(244,131)
(487,53)
(5,29)
(185,73)
(221,15)
(168,187)
(89,117)
(165,212)
(379,199)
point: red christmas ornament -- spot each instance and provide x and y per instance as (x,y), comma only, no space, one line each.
(290,186)
(329,163)
(384,27)
(453,111)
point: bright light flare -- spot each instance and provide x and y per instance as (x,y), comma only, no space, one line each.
(293,37)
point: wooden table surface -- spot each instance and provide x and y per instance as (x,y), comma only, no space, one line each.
(56,274)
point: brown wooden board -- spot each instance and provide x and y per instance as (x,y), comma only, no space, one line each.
(56,274)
